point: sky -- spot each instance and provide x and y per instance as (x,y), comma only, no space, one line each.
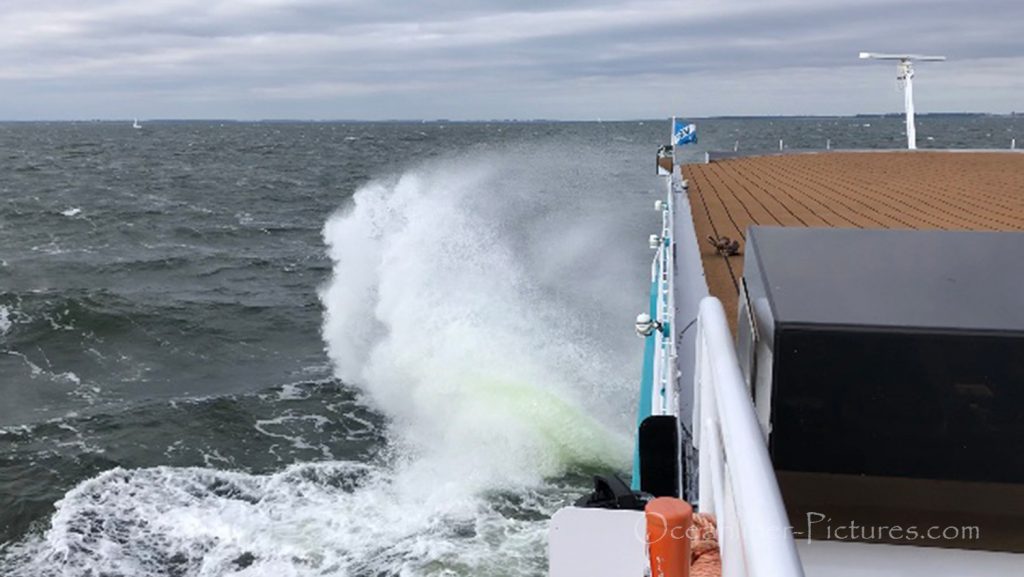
(524,59)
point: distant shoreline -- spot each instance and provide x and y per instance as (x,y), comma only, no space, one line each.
(505,120)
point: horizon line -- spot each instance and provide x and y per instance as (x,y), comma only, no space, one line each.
(509,120)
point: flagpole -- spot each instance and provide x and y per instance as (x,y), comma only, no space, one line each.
(672,141)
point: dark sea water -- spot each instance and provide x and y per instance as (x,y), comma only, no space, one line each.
(328,348)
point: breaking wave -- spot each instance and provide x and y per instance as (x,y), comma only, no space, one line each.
(473,312)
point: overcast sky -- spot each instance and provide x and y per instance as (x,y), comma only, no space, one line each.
(460,59)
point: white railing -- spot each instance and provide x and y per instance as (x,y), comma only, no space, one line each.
(665,384)
(659,383)
(737,481)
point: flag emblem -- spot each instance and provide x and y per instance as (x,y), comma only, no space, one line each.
(683,133)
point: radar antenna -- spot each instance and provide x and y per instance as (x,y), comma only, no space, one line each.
(905,76)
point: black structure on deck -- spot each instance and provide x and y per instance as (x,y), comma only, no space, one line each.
(893,353)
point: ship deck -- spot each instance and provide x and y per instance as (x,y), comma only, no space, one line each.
(940,190)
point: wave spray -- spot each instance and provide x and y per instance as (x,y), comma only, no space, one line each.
(479,307)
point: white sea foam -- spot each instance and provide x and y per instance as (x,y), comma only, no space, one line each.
(292,392)
(289,428)
(35,369)
(310,519)
(5,320)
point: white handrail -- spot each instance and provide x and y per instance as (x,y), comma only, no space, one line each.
(664,382)
(737,481)
(666,345)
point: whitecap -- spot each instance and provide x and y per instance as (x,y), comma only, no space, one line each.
(5,320)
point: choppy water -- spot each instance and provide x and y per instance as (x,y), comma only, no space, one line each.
(308,349)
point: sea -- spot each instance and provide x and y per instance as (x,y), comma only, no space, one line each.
(332,348)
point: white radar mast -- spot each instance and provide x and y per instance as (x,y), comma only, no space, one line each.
(905,74)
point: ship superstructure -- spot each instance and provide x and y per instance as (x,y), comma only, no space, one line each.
(833,372)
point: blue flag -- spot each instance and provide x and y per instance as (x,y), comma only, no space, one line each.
(683,133)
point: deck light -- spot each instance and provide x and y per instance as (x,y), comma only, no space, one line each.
(645,325)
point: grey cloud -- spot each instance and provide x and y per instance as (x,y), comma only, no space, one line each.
(458,58)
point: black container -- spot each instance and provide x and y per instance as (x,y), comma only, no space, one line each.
(887,353)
